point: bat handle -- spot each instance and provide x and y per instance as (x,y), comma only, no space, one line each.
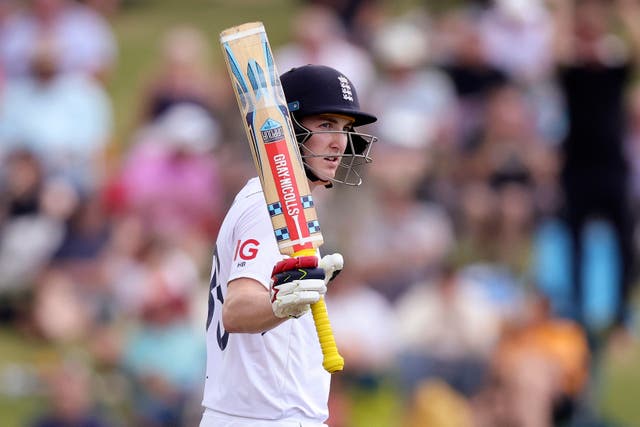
(332,361)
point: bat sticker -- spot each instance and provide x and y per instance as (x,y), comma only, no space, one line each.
(271,131)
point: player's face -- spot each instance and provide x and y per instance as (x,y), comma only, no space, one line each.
(327,143)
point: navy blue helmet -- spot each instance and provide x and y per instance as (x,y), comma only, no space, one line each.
(318,89)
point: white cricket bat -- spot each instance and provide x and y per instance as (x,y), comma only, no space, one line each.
(276,156)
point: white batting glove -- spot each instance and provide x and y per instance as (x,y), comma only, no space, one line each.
(296,283)
(332,266)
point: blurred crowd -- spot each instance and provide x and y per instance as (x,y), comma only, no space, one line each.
(490,253)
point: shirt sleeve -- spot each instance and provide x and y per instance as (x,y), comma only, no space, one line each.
(256,250)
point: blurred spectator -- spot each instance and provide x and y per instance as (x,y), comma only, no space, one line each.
(31,230)
(632,150)
(516,215)
(123,263)
(360,18)
(499,173)
(595,66)
(73,282)
(414,100)
(364,326)
(319,38)
(412,103)
(184,76)
(507,140)
(171,175)
(447,330)
(476,223)
(63,117)
(517,36)
(22,181)
(86,235)
(60,315)
(69,390)
(82,36)
(162,353)
(539,371)
(235,152)
(465,60)
(502,289)
(142,260)
(385,213)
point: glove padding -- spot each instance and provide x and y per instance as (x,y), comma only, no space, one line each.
(296,283)
(332,266)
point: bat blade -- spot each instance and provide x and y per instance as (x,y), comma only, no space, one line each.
(276,156)
(275,153)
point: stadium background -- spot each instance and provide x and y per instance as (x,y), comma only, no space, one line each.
(138,26)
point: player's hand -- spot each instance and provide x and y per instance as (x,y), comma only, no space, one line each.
(332,266)
(296,283)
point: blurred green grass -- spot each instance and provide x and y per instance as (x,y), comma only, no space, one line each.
(24,356)
(621,387)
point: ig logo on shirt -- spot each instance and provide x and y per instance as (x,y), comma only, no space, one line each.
(246,250)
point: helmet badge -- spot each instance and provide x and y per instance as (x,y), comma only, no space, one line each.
(347,94)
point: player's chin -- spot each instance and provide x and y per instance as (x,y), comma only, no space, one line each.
(326,174)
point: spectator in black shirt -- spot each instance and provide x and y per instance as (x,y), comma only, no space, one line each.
(595,67)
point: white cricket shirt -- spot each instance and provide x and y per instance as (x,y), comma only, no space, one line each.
(276,375)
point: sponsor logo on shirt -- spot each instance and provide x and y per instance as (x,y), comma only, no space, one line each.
(246,250)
